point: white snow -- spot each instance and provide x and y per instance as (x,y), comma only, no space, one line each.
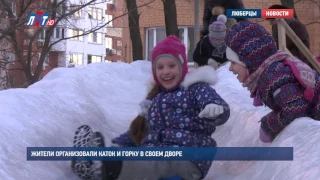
(106,97)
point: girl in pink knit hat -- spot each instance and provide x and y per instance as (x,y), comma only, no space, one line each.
(184,113)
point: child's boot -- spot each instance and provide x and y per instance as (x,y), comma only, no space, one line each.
(88,169)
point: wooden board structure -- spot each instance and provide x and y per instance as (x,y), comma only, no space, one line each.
(283,30)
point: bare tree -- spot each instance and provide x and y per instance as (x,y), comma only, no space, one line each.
(63,11)
(170,15)
(134,28)
(4,58)
(5,82)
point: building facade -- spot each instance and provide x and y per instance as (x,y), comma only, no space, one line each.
(77,51)
(16,76)
(152,23)
(82,50)
(115,44)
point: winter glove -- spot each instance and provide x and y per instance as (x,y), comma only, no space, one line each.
(264,137)
(211,111)
(144,107)
(213,63)
(124,140)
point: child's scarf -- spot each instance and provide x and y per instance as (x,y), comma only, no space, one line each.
(219,45)
(302,72)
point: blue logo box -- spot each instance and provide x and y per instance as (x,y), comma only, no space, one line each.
(243,13)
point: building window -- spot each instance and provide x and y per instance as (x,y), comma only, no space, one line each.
(155,35)
(76,59)
(25,54)
(74,32)
(108,42)
(94,59)
(95,37)
(119,43)
(45,62)
(42,34)
(110,1)
(11,57)
(61,9)
(119,52)
(59,33)
(109,19)
(13,8)
(26,42)
(77,14)
(95,13)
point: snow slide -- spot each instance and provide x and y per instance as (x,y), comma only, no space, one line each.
(106,96)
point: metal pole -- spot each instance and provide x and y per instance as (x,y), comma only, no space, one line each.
(196,22)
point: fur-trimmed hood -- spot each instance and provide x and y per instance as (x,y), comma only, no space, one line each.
(205,74)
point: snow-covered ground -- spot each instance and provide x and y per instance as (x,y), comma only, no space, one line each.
(106,97)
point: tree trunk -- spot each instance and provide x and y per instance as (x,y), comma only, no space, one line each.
(134,28)
(170,17)
(290,4)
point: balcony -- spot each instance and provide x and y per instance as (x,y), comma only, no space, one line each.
(110,52)
(60,46)
(110,7)
(114,32)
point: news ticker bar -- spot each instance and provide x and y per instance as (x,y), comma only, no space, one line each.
(161,153)
(260,13)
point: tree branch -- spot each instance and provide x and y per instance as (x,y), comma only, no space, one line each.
(12,31)
(102,26)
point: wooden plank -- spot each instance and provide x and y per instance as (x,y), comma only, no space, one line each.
(287,50)
(281,37)
(296,40)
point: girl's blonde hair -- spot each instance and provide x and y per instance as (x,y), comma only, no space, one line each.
(138,129)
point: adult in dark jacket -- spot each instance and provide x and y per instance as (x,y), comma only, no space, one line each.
(300,30)
(213,8)
(211,48)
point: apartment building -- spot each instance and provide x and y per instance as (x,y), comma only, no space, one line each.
(152,23)
(82,50)
(117,39)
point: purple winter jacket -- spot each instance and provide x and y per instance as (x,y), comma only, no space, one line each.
(173,119)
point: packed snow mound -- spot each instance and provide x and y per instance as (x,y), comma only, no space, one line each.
(106,96)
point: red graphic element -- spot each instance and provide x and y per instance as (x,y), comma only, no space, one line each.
(38,19)
(276,13)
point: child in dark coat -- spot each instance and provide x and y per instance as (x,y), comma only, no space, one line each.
(298,28)
(288,86)
(213,8)
(184,113)
(211,49)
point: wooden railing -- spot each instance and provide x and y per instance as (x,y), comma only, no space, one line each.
(283,30)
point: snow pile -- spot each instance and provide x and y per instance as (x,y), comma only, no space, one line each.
(106,97)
